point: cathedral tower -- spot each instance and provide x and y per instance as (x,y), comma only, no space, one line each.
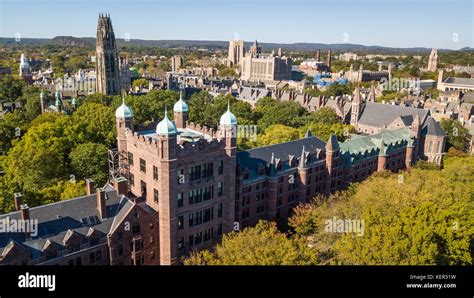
(107,62)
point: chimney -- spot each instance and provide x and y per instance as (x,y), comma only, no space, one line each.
(121,185)
(101,203)
(25,216)
(90,186)
(25,212)
(17,199)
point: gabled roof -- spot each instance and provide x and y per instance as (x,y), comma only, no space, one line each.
(253,158)
(378,114)
(56,219)
(432,128)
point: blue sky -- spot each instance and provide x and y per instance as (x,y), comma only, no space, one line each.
(402,23)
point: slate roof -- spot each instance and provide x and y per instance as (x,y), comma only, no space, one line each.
(253,158)
(432,128)
(378,114)
(56,219)
(460,81)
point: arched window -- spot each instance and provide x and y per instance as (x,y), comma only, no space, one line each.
(438,147)
(430,146)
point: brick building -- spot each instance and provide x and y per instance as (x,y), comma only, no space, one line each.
(102,228)
(181,186)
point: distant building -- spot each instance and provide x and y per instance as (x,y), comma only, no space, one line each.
(373,118)
(433,60)
(25,69)
(452,83)
(176,63)
(362,75)
(257,66)
(236,52)
(348,56)
(317,64)
(107,60)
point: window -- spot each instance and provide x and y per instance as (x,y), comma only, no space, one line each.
(191,240)
(220,189)
(179,197)
(181,243)
(92,258)
(120,250)
(198,238)
(155,172)
(219,210)
(152,239)
(207,215)
(152,255)
(98,255)
(207,195)
(130,158)
(155,195)
(132,179)
(191,219)
(143,187)
(207,170)
(219,229)
(181,222)
(221,167)
(207,235)
(194,173)
(142,165)
(78,261)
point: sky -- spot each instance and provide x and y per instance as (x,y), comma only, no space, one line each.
(445,24)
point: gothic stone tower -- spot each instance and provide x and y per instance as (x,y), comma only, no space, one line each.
(107,63)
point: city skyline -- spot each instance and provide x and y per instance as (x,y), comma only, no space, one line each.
(366,22)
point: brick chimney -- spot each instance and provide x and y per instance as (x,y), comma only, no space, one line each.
(121,185)
(101,203)
(17,199)
(24,212)
(25,215)
(90,186)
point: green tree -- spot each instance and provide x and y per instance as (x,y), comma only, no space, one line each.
(141,82)
(423,217)
(89,160)
(260,245)
(97,123)
(458,135)
(276,134)
(10,88)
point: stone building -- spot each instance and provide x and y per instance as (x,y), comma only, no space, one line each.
(257,66)
(371,118)
(433,60)
(236,52)
(362,75)
(176,63)
(454,84)
(25,69)
(107,60)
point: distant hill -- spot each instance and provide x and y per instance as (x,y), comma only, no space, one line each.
(215,44)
